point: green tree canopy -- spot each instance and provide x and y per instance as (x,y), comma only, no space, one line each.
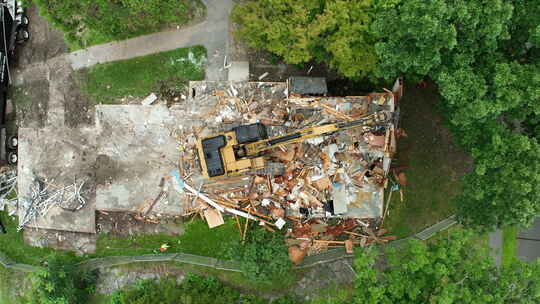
(452,270)
(332,31)
(417,37)
(482,55)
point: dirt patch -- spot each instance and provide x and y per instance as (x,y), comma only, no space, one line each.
(432,162)
(122,224)
(321,278)
(80,243)
(79,109)
(112,279)
(45,41)
(31,104)
(107,169)
(261,62)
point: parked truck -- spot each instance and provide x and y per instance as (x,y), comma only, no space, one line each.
(14,32)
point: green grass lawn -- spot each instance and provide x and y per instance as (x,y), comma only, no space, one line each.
(107,82)
(433,165)
(86,23)
(198,239)
(13,245)
(509,245)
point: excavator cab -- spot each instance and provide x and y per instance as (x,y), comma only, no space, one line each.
(214,149)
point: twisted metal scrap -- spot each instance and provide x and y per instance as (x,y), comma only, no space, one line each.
(8,183)
(43,198)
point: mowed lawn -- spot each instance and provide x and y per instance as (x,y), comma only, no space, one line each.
(217,241)
(433,165)
(509,245)
(138,77)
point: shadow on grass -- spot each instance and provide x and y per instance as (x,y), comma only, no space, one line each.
(432,162)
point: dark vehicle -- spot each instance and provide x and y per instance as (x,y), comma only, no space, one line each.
(14,24)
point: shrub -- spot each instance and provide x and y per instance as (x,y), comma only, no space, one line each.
(61,282)
(194,289)
(264,256)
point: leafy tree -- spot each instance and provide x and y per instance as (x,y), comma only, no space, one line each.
(524,31)
(264,256)
(484,61)
(342,31)
(493,113)
(451,270)
(280,26)
(503,189)
(331,31)
(61,282)
(417,37)
(412,36)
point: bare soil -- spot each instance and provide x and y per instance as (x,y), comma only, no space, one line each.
(261,62)
(31,103)
(79,109)
(45,41)
(122,224)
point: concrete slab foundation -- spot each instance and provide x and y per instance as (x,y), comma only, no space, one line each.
(137,146)
(239,71)
(61,156)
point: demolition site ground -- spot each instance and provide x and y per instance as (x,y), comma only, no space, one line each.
(123,155)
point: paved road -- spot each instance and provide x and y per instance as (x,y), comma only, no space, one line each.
(529,242)
(211,33)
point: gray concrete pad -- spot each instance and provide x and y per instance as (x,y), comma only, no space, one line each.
(239,71)
(529,242)
(61,155)
(528,250)
(137,147)
(495,243)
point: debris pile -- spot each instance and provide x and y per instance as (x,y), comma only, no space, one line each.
(324,192)
(8,188)
(46,195)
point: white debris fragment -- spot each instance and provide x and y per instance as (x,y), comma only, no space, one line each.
(263,75)
(280,223)
(150,99)
(234,91)
(315,140)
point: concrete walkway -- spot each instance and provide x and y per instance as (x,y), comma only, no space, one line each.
(495,243)
(211,33)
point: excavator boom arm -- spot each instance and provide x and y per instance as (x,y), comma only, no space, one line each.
(301,135)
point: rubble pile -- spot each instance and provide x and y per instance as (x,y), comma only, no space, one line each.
(328,190)
(8,188)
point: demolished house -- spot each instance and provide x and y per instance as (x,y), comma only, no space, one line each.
(330,184)
(329,192)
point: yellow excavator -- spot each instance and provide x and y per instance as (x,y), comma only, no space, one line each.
(242,149)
